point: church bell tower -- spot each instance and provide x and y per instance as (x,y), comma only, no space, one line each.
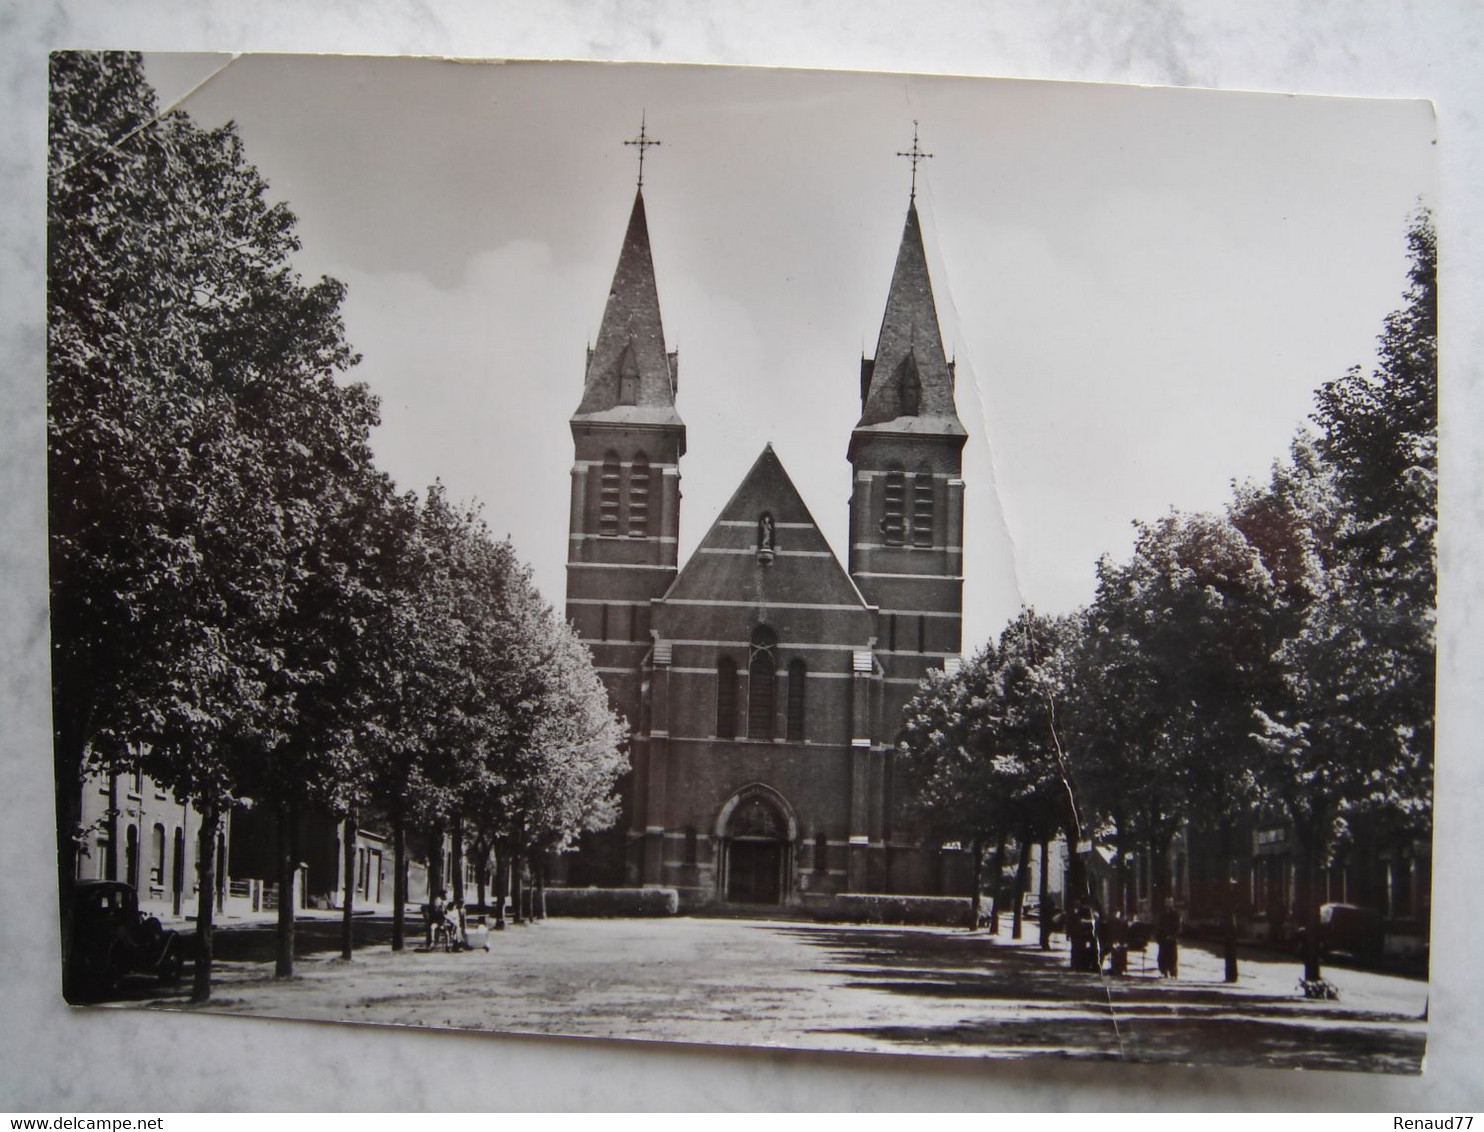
(628,439)
(907,502)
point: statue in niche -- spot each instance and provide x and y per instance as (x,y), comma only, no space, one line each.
(765,538)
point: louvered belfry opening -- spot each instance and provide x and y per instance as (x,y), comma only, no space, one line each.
(922,509)
(639,497)
(609,489)
(893,520)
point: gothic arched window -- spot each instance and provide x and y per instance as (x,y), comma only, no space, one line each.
(762,678)
(922,509)
(639,497)
(726,698)
(797,674)
(608,490)
(893,519)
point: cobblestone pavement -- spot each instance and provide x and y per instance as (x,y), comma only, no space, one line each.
(819,986)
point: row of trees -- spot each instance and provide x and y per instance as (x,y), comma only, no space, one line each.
(243,606)
(1278,653)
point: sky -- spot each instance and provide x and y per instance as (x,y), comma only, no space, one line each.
(1143,287)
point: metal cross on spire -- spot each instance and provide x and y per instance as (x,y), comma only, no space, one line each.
(643,142)
(916,154)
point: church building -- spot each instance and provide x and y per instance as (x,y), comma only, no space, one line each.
(764,682)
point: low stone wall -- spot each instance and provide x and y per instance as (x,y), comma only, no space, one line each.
(612,902)
(872,908)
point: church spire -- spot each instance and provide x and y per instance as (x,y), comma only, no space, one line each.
(910,381)
(629,372)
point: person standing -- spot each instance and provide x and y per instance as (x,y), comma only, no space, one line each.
(1168,936)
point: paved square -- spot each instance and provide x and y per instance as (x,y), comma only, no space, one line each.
(841,987)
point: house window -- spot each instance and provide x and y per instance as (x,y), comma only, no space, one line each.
(608,490)
(603,624)
(690,845)
(726,698)
(922,509)
(893,520)
(797,673)
(634,622)
(762,673)
(821,853)
(157,857)
(639,497)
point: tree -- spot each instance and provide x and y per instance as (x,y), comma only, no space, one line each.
(947,737)
(981,753)
(1181,650)
(183,355)
(1348,736)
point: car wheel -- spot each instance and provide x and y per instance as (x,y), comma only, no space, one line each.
(111,977)
(168,973)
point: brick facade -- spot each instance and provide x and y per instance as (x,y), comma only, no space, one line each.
(763,682)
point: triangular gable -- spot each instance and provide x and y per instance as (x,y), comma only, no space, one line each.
(802,567)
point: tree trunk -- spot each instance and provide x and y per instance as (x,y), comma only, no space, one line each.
(205,901)
(457,857)
(69,748)
(1078,884)
(1159,861)
(283,968)
(436,879)
(976,847)
(1045,894)
(538,898)
(502,886)
(517,890)
(111,854)
(348,901)
(997,876)
(399,881)
(1228,904)
(1022,873)
(1308,896)
(481,874)
(1120,845)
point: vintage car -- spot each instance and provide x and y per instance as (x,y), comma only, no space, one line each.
(1348,929)
(110,938)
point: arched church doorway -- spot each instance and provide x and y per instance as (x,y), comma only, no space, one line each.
(757,847)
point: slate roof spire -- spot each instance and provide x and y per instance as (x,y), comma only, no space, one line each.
(909,384)
(630,376)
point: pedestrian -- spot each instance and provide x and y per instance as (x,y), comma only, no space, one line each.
(1115,933)
(434,912)
(1167,933)
(1083,933)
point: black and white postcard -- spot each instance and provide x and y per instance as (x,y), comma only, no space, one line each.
(835,561)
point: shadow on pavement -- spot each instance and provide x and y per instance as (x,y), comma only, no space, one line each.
(1035,1005)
